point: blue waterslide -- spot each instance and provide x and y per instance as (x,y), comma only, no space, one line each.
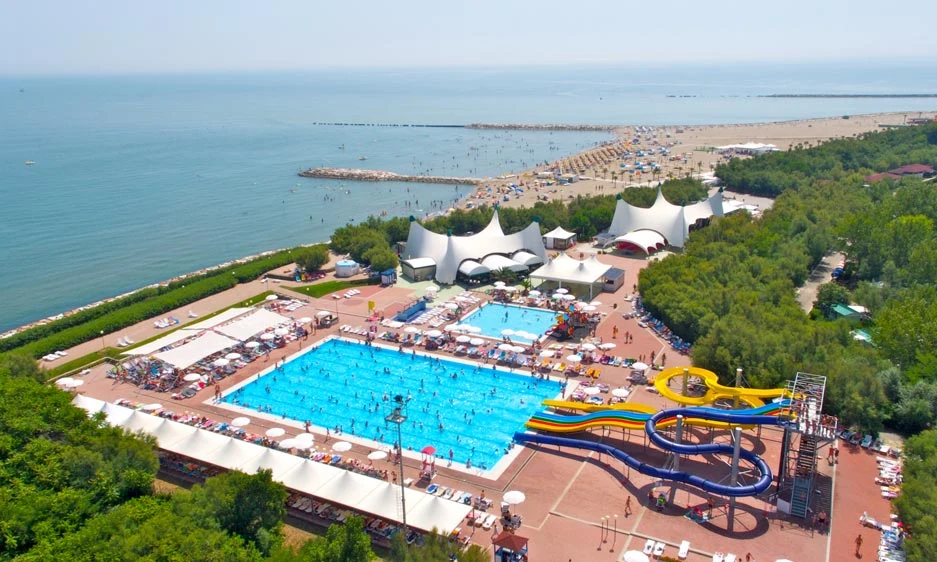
(744,417)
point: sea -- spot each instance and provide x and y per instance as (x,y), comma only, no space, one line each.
(139,178)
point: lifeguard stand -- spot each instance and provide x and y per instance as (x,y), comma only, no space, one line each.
(805,433)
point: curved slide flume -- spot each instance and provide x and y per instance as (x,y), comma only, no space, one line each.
(732,418)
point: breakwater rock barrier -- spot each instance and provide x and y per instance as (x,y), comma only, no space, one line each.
(351,174)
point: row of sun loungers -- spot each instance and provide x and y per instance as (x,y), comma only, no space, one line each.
(656,549)
(54,356)
(124,342)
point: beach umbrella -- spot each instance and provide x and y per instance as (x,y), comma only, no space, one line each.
(514,497)
(452,328)
(322,313)
(411,330)
(519,349)
(608,345)
(506,347)
(428,450)
(568,297)
(275,432)
(301,445)
(510,289)
(192,377)
(476,341)
(377,455)
(472,329)
(341,446)
(588,347)
(271,298)
(534,293)
(304,320)
(281,332)
(561,291)
(287,444)
(463,339)
(221,362)
(589,308)
(573,358)
(64,382)
(232,356)
(451,306)
(267,336)
(305,437)
(580,304)
(240,421)
(620,392)
(507,332)
(596,303)
(152,407)
(252,344)
(434,333)
(431,288)
(500,284)
(635,556)
(546,353)
(592,390)
(639,366)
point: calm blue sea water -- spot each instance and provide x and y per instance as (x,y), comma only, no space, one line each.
(345,384)
(492,318)
(140,178)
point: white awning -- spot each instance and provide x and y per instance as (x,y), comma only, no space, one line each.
(646,240)
(347,488)
(308,475)
(252,324)
(186,355)
(278,462)
(565,269)
(221,318)
(559,233)
(232,454)
(165,341)
(495,262)
(472,268)
(420,263)
(526,258)
(384,501)
(433,511)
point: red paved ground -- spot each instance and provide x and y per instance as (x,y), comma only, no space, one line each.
(570,491)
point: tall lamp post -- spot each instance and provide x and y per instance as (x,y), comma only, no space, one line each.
(398,416)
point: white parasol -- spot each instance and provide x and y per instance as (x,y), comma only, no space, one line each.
(514,497)
(573,358)
(341,446)
(271,298)
(463,339)
(589,346)
(305,437)
(639,366)
(240,421)
(267,336)
(232,356)
(534,293)
(500,283)
(591,390)
(64,382)
(472,329)
(377,455)
(252,344)
(281,332)
(304,320)
(476,341)
(546,353)
(620,392)
(561,291)
(411,330)
(221,362)
(451,306)
(506,347)
(288,444)
(595,303)
(431,288)
(507,332)
(275,432)
(589,308)
(434,333)
(608,345)
(192,377)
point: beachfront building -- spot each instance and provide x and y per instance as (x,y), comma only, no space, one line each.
(473,257)
(559,238)
(663,224)
(418,269)
(588,274)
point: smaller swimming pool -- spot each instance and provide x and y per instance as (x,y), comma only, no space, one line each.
(494,317)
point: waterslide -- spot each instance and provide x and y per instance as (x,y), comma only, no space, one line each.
(714,391)
(733,418)
(631,416)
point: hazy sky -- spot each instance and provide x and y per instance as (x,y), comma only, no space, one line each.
(108,36)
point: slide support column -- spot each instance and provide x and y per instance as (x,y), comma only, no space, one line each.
(734,480)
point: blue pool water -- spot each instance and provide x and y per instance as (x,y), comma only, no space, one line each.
(494,317)
(341,383)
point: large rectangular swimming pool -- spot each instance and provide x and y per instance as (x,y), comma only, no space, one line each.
(465,407)
(494,317)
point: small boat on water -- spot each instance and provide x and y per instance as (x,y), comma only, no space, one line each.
(29,162)
(362,158)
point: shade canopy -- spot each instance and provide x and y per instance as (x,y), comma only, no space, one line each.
(190,353)
(671,221)
(252,324)
(564,269)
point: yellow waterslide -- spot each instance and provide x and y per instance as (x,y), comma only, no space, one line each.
(714,391)
(626,423)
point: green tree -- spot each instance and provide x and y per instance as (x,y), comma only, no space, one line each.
(346,542)
(917,504)
(381,258)
(313,257)
(829,295)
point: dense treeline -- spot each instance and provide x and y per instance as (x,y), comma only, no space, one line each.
(732,291)
(917,504)
(776,172)
(75,488)
(146,303)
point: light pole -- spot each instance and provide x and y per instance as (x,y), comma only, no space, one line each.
(102,340)
(399,416)
(615,535)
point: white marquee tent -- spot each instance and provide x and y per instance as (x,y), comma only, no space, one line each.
(221,318)
(647,241)
(559,238)
(671,221)
(449,252)
(186,355)
(564,269)
(165,341)
(252,324)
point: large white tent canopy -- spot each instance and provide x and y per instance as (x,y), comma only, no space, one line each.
(186,355)
(449,252)
(648,241)
(327,483)
(252,324)
(526,258)
(495,262)
(564,269)
(671,221)
(559,233)
(471,268)
(165,341)
(221,318)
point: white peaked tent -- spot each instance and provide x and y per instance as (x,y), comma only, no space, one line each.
(564,269)
(278,462)
(449,252)
(671,221)
(559,238)
(433,511)
(308,475)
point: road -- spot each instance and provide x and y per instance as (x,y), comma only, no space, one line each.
(821,274)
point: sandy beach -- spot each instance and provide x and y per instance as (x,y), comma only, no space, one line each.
(690,152)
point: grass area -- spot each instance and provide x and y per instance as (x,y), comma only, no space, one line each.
(116,353)
(321,289)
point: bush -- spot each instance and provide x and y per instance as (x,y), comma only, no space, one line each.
(313,257)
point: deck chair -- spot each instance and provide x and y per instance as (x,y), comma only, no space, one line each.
(649,546)
(659,549)
(684,550)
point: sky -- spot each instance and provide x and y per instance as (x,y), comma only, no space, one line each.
(107,36)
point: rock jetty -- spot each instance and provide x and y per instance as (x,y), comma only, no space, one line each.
(541,127)
(351,174)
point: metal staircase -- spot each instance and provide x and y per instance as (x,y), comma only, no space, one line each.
(802,411)
(804,473)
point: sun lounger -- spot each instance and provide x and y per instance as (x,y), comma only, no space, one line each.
(489,521)
(559,367)
(129,341)
(729,558)
(719,557)
(684,550)
(659,548)
(649,546)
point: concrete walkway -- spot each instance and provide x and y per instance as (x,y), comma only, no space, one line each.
(821,274)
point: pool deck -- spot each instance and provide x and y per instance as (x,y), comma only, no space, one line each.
(570,491)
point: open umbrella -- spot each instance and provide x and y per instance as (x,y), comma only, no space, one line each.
(281,332)
(152,407)
(463,339)
(472,329)
(588,346)
(301,445)
(305,437)
(288,444)
(275,432)
(573,358)
(428,450)
(507,332)
(596,303)
(252,344)
(561,291)
(568,297)
(620,392)
(452,328)
(500,283)
(304,320)
(75,383)
(518,349)
(510,289)
(221,362)
(589,308)
(431,288)
(534,293)
(64,382)
(639,366)
(377,455)
(608,345)
(267,336)
(341,446)
(411,330)
(240,421)
(476,341)
(192,377)
(271,298)
(546,353)
(506,347)
(514,497)
(434,333)
(592,390)
(451,306)
(232,356)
